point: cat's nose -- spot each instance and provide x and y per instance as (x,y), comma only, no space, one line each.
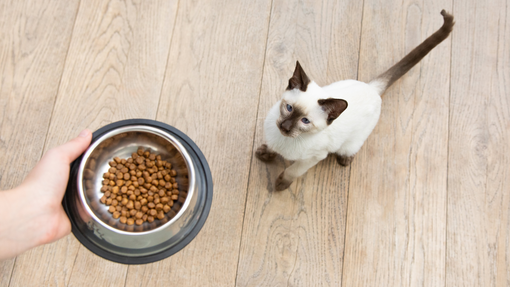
(285,125)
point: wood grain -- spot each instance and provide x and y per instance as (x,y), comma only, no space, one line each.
(295,237)
(115,69)
(425,201)
(396,222)
(479,164)
(34,39)
(211,91)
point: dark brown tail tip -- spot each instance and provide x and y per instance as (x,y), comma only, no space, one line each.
(448,20)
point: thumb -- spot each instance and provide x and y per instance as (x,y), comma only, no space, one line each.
(75,147)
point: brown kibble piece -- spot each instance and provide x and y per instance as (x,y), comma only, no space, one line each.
(138,189)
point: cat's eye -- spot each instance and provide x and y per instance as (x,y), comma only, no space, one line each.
(289,108)
(305,120)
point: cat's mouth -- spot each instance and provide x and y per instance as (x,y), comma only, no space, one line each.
(286,132)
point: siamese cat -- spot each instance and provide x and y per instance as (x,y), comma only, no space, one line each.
(310,122)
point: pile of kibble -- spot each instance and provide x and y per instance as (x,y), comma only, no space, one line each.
(140,188)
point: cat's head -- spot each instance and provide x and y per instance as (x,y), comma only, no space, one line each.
(305,107)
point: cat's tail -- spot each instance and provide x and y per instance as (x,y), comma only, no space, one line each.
(386,79)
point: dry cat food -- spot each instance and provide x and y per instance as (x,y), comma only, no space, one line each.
(140,188)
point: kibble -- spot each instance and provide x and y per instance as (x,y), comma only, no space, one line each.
(140,189)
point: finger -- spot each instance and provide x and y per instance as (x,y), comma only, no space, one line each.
(75,147)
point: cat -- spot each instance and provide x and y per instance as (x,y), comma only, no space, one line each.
(310,122)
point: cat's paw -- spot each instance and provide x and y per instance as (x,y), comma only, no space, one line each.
(344,160)
(281,183)
(264,154)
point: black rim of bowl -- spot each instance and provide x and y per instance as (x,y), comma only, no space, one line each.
(167,252)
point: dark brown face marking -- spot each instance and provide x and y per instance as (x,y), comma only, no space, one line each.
(299,80)
(289,123)
(334,107)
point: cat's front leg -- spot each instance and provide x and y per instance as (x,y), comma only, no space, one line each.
(265,154)
(295,170)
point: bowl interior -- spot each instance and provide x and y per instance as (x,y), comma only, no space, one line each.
(122,144)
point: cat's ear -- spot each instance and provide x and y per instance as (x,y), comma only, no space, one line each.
(334,107)
(299,80)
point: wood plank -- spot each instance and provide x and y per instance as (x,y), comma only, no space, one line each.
(114,70)
(296,237)
(211,92)
(396,222)
(478,250)
(35,36)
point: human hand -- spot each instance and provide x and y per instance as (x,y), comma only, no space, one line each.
(32,213)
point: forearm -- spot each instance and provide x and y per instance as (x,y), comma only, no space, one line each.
(13,212)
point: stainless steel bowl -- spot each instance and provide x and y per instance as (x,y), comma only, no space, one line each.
(95,227)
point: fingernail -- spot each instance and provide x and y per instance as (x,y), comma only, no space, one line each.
(83,133)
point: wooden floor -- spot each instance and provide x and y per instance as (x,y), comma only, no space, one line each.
(426,201)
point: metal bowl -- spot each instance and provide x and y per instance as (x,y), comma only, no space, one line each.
(107,237)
